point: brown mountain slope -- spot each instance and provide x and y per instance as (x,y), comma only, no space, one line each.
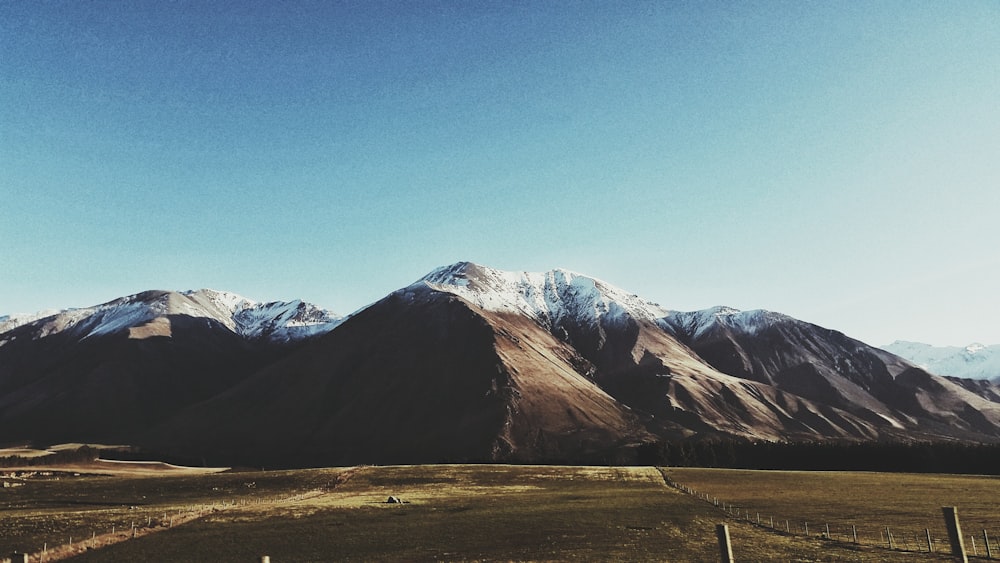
(112,387)
(827,367)
(680,395)
(413,378)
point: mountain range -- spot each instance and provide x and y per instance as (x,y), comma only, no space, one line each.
(974,361)
(468,363)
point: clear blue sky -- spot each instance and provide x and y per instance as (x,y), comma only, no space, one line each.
(836,161)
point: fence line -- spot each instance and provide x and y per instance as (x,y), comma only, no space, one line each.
(155,521)
(907,541)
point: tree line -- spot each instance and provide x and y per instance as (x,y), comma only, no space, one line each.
(83,454)
(916,457)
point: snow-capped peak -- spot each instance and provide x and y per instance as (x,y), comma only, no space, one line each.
(975,361)
(546,297)
(696,323)
(276,321)
(223,300)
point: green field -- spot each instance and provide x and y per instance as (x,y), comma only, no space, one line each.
(468,512)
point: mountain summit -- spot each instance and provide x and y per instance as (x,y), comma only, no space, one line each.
(546,297)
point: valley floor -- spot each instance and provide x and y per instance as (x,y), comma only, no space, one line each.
(472,512)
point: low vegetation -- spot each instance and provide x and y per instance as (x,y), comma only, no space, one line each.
(456,512)
(908,505)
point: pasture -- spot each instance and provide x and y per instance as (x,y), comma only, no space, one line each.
(461,513)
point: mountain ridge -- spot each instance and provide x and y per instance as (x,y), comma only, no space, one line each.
(974,361)
(276,320)
(467,363)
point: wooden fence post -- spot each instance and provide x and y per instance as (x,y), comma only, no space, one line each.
(986,540)
(725,547)
(954,533)
(854,532)
(930,546)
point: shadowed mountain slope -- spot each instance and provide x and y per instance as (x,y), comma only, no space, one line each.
(420,376)
(466,364)
(110,372)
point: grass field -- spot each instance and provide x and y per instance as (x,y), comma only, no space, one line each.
(907,504)
(452,513)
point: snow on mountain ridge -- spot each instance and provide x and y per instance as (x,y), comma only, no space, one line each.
(974,361)
(697,323)
(12,321)
(278,321)
(546,297)
(281,320)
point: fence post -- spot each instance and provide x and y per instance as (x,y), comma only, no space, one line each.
(265,559)
(986,540)
(854,532)
(725,547)
(954,533)
(888,537)
(930,546)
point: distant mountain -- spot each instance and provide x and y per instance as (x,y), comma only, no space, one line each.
(114,370)
(144,315)
(467,363)
(974,361)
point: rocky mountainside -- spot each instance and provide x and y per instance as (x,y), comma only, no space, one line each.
(467,363)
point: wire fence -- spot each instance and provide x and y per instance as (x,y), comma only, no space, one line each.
(933,537)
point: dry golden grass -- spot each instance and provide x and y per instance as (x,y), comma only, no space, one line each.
(450,513)
(908,504)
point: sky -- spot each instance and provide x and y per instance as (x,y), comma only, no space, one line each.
(835,161)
